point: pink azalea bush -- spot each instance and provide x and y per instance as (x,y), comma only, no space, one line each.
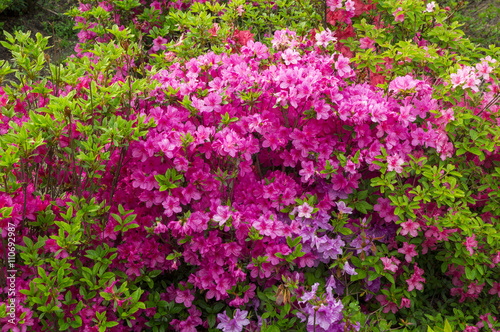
(216,178)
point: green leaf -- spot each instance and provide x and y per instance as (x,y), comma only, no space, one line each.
(447,327)
(363,206)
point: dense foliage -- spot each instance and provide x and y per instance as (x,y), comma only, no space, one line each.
(261,166)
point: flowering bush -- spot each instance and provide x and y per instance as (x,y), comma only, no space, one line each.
(190,174)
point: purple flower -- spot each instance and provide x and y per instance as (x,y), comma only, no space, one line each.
(321,315)
(235,324)
(343,208)
(349,269)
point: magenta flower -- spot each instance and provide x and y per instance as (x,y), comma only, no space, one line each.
(495,289)
(388,306)
(223,214)
(415,281)
(342,66)
(471,243)
(390,264)
(410,227)
(405,303)
(307,170)
(212,102)
(160,228)
(184,297)
(156,5)
(366,42)
(159,44)
(408,250)
(234,324)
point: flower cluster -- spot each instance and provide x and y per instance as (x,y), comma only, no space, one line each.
(155,191)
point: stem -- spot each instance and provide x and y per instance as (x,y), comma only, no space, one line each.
(314,321)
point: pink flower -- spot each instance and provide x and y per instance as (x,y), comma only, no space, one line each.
(185,297)
(290,56)
(402,83)
(223,214)
(160,228)
(305,210)
(257,49)
(415,281)
(349,6)
(394,163)
(334,4)
(390,264)
(171,205)
(408,250)
(410,227)
(495,289)
(484,69)
(398,15)
(367,42)
(214,29)
(405,303)
(472,82)
(342,66)
(430,7)
(388,306)
(324,38)
(471,243)
(307,170)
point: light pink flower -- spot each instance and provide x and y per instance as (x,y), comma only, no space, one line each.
(394,163)
(430,7)
(324,38)
(305,210)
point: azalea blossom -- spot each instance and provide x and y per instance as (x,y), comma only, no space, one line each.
(394,163)
(305,210)
(343,208)
(399,15)
(429,8)
(234,324)
(409,227)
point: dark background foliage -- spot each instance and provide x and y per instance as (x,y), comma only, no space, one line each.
(481,19)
